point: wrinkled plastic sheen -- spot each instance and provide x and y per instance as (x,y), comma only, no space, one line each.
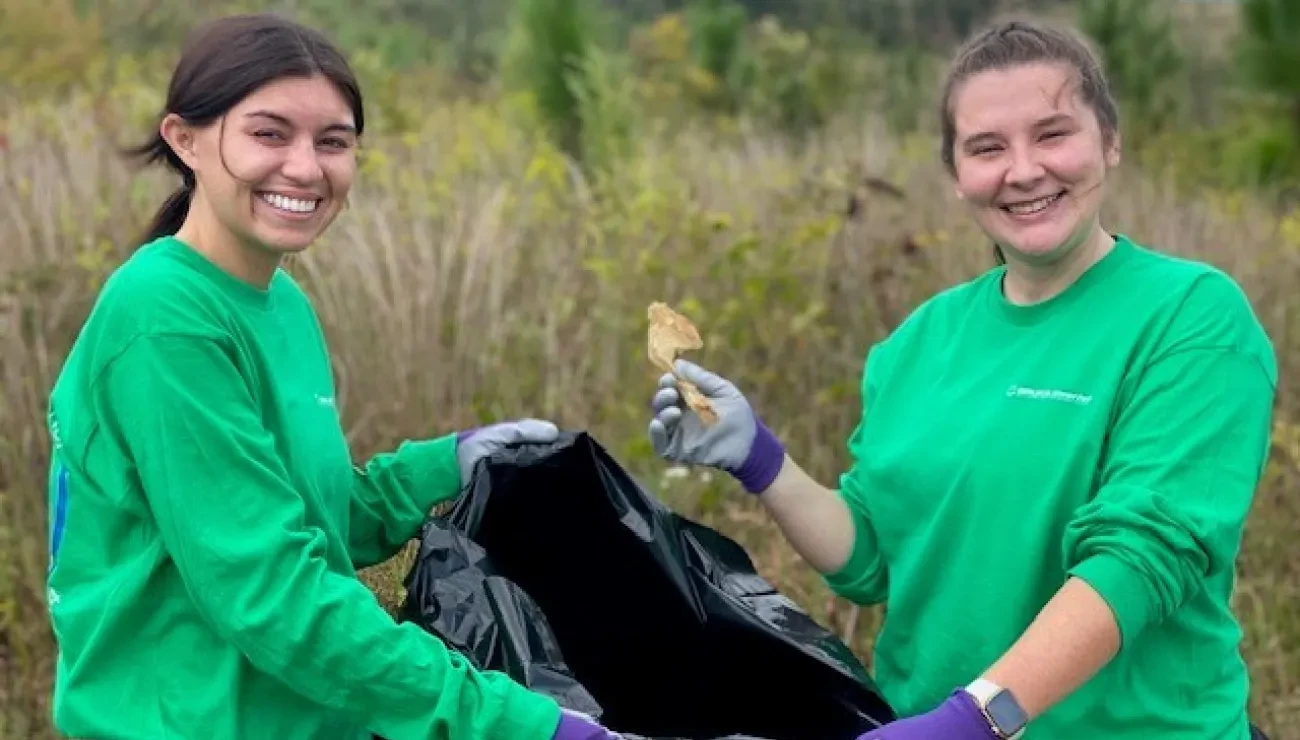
(557,568)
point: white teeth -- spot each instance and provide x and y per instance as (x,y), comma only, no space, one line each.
(285,203)
(1024,209)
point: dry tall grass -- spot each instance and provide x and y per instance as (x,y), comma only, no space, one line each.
(476,276)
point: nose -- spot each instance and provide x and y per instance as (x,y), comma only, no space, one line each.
(302,163)
(1024,170)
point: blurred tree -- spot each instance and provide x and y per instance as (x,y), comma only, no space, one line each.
(1268,52)
(138,26)
(889,23)
(717,40)
(547,54)
(1138,48)
(607,108)
(791,79)
(46,46)
(462,36)
(1270,49)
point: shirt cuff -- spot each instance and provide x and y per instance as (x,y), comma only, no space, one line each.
(858,580)
(432,470)
(1123,589)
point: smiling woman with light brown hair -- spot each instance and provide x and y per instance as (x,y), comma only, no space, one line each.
(1054,461)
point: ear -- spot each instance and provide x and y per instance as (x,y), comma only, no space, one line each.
(957,190)
(1113,151)
(180,136)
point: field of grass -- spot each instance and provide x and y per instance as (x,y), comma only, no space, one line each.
(478,276)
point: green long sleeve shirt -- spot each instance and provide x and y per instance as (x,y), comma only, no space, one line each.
(207,522)
(1115,433)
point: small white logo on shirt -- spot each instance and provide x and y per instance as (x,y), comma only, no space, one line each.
(327,401)
(1041,394)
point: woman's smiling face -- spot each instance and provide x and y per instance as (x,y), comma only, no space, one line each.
(1030,159)
(277,169)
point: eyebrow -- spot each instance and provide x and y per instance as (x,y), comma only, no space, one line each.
(349,128)
(1054,120)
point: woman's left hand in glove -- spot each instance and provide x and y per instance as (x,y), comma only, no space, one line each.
(475,444)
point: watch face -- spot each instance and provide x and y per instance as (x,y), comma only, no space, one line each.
(1006,712)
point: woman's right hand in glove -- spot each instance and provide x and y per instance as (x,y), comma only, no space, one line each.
(739,443)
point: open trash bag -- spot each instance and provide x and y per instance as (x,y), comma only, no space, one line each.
(558,569)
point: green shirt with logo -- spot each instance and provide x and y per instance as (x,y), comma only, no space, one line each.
(207,522)
(1115,433)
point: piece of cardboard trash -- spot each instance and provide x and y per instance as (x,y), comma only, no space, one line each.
(669,335)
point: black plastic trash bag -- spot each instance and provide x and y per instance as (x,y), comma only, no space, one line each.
(457,594)
(558,569)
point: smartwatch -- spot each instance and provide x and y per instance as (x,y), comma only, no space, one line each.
(1001,710)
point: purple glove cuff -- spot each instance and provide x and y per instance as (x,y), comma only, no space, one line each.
(766,456)
(573,727)
(965,705)
(958,718)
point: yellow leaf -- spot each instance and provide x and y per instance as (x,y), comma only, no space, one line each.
(1290,228)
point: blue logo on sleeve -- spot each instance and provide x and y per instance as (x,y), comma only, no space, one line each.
(59,511)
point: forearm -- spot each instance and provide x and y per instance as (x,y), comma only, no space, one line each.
(813,518)
(393,493)
(1072,638)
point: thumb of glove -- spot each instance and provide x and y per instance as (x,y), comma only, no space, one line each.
(534,431)
(710,384)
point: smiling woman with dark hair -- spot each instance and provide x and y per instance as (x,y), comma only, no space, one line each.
(207,519)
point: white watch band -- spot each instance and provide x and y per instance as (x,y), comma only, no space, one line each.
(983,691)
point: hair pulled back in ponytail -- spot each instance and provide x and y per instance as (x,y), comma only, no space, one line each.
(172,213)
(224,62)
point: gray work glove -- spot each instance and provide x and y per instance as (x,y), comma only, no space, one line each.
(739,443)
(475,444)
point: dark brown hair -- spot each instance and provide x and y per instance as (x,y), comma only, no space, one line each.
(223,62)
(1018,41)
